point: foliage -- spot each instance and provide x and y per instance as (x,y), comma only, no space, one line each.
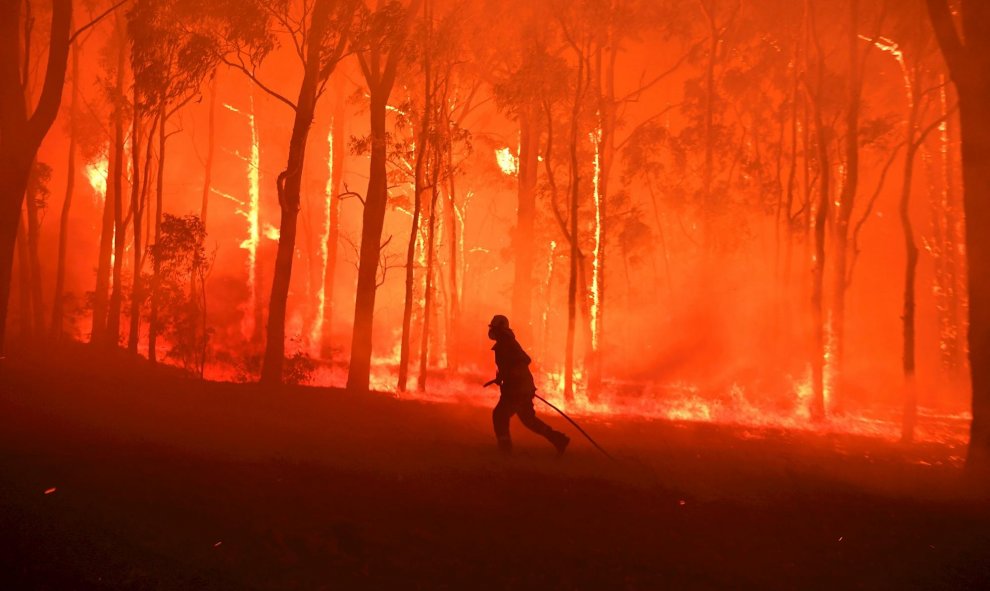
(298,369)
(184,265)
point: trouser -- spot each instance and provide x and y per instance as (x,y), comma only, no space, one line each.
(521,406)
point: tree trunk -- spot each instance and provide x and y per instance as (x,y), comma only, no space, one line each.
(373,220)
(338,148)
(422,147)
(58,297)
(523,243)
(20,132)
(454,306)
(104,265)
(910,272)
(428,294)
(407,306)
(34,259)
(153,322)
(26,323)
(289,184)
(847,200)
(120,232)
(210,149)
(137,288)
(974,95)
(968,63)
(574,194)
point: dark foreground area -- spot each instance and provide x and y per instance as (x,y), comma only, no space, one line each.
(115,475)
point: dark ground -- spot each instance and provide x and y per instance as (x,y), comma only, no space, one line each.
(167,483)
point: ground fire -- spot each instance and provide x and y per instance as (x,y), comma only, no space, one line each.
(741,246)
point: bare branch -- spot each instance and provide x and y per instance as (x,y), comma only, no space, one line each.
(93,22)
(259,83)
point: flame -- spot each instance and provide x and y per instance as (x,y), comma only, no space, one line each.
(252,215)
(97,173)
(271,232)
(507,161)
(596,139)
(316,332)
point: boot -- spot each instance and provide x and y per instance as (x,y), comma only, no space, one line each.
(505,445)
(560,442)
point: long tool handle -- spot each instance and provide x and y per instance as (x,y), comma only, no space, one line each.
(578,427)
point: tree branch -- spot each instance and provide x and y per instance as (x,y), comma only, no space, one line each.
(58,58)
(259,83)
(72,38)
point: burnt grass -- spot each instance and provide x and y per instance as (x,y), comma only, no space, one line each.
(166,482)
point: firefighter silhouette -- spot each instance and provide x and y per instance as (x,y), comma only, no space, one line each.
(516,383)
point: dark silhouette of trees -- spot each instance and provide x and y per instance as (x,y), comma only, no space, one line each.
(23,127)
(966,49)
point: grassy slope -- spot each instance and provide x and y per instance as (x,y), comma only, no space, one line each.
(309,489)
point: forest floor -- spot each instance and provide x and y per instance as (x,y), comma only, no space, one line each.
(117,475)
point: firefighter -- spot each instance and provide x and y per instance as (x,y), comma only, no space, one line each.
(516,382)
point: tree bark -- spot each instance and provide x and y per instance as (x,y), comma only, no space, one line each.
(137,212)
(58,296)
(847,200)
(575,252)
(153,321)
(120,231)
(380,78)
(339,148)
(21,133)
(288,184)
(422,149)
(428,293)
(523,243)
(968,64)
(34,259)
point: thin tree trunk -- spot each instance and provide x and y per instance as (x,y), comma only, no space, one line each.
(210,150)
(58,296)
(422,149)
(428,293)
(101,298)
(817,404)
(339,148)
(910,272)
(120,231)
(137,287)
(574,194)
(847,200)
(454,299)
(522,239)
(153,320)
(24,281)
(34,259)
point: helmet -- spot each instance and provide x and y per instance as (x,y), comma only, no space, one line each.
(499,321)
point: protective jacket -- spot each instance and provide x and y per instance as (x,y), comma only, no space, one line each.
(513,374)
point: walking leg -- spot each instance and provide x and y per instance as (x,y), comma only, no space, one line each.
(500,420)
(527,415)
